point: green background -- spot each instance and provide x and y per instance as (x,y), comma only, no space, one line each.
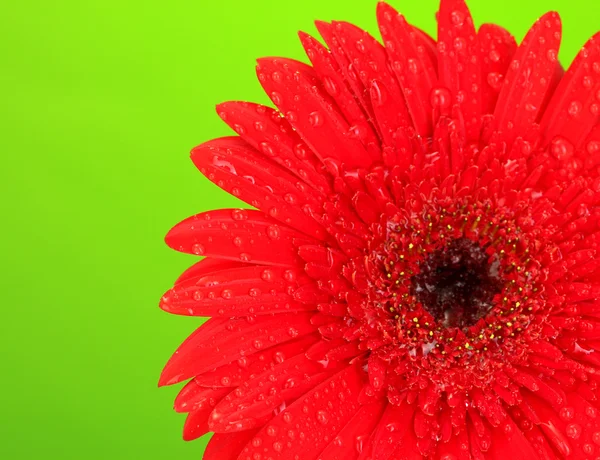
(100,103)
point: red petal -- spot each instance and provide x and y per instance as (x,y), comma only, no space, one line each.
(248,367)
(252,290)
(268,132)
(498,47)
(334,83)
(345,66)
(232,339)
(393,427)
(206,267)
(529,77)
(195,425)
(227,446)
(294,88)
(575,107)
(319,415)
(459,62)
(254,401)
(351,440)
(369,62)
(193,397)
(235,167)
(237,234)
(412,65)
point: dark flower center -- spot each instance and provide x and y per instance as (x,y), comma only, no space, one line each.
(457,283)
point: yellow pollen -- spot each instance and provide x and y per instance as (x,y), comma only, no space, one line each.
(509,324)
(410,246)
(416,320)
(517,304)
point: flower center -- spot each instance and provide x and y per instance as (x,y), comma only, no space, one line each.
(457,283)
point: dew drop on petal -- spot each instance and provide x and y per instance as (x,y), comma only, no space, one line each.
(315,119)
(440,98)
(322,417)
(198,249)
(575,108)
(573,431)
(457,18)
(273,232)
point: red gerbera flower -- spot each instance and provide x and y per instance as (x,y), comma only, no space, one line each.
(420,275)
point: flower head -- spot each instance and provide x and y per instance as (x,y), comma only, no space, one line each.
(419,275)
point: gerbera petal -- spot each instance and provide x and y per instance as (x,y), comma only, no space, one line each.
(235,167)
(369,61)
(296,91)
(319,415)
(575,107)
(271,134)
(247,367)
(330,74)
(237,234)
(252,404)
(395,423)
(459,62)
(498,47)
(345,65)
(529,77)
(227,446)
(234,339)
(252,290)
(411,64)
(207,266)
(193,397)
(350,441)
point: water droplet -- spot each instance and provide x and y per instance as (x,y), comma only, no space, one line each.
(258,344)
(322,417)
(330,86)
(227,294)
(494,56)
(440,98)
(293,332)
(237,241)
(575,108)
(290,276)
(245,257)
(267,149)
(551,54)
(593,147)
(273,232)
(267,275)
(412,66)
(561,148)
(573,431)
(360,46)
(315,119)
(239,214)
(287,418)
(300,151)
(567,413)
(291,116)
(494,79)
(276,98)
(457,18)
(198,249)
(277,446)
(225,381)
(588,82)
(256,442)
(460,44)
